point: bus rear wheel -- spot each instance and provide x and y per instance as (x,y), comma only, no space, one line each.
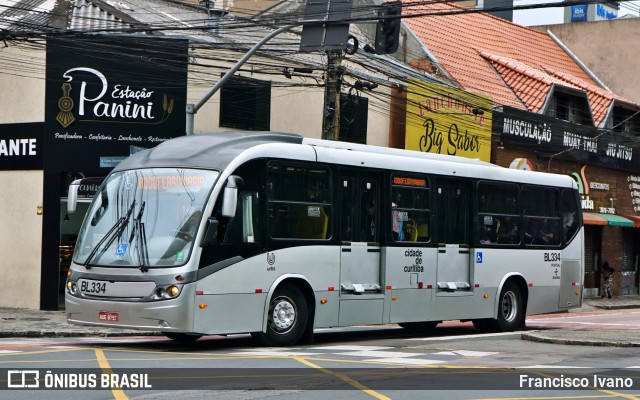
(182,337)
(286,319)
(510,311)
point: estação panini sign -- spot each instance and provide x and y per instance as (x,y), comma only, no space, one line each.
(108,95)
(444,120)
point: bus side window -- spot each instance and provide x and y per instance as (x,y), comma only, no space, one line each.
(570,217)
(243,228)
(410,213)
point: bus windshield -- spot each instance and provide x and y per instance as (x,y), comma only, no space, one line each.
(144,218)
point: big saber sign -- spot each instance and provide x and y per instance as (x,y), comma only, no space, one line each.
(107,97)
(445,120)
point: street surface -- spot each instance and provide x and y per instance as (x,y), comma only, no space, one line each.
(453,361)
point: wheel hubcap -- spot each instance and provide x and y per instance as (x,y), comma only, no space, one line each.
(509,306)
(284,314)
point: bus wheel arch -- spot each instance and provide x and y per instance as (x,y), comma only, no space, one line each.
(511,307)
(289,313)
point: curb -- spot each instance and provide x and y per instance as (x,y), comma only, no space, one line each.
(578,342)
(55,334)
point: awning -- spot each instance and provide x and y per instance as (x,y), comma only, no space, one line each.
(593,219)
(635,219)
(617,220)
(609,219)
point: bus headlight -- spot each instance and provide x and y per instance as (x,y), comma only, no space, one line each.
(72,288)
(167,292)
(173,291)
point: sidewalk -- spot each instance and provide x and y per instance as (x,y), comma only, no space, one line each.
(35,323)
(592,337)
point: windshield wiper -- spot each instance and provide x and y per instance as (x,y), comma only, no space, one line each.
(117,228)
(139,233)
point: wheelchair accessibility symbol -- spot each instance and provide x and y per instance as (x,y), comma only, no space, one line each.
(479,257)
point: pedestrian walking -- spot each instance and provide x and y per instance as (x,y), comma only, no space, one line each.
(607,270)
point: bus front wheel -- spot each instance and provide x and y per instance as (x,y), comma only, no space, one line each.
(287,317)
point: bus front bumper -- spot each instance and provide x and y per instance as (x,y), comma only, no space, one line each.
(164,316)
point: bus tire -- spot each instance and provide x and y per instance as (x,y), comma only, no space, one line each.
(510,311)
(419,326)
(287,317)
(182,337)
(510,308)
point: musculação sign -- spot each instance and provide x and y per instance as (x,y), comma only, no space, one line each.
(552,137)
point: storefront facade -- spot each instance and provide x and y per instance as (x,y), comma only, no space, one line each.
(607,171)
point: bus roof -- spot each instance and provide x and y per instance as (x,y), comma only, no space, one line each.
(219,150)
(210,150)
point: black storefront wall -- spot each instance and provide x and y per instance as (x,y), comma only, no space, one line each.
(550,137)
(106,97)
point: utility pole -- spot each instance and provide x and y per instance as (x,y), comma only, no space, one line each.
(333,83)
(326,30)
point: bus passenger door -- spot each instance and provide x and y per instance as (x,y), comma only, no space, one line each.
(360,230)
(453,201)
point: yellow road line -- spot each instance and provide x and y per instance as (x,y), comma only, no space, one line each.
(118,394)
(343,378)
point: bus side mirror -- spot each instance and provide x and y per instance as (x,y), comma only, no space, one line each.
(211,232)
(72,196)
(230,196)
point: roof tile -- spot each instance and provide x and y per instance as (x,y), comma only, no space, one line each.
(516,65)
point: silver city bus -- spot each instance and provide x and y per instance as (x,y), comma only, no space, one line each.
(277,235)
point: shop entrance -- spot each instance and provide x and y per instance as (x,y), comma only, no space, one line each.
(592,254)
(70,227)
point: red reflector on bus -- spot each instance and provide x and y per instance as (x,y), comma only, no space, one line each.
(388,287)
(477,285)
(331,288)
(199,292)
(573,284)
(420,285)
(258,290)
(429,286)
(531,285)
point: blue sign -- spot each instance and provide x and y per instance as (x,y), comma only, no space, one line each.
(122,249)
(479,257)
(602,12)
(579,13)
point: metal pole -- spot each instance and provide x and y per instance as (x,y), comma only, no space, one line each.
(193,108)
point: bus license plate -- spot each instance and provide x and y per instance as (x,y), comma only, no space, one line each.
(108,316)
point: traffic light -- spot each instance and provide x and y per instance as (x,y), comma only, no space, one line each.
(388,28)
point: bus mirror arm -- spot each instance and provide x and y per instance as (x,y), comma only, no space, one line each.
(211,232)
(230,197)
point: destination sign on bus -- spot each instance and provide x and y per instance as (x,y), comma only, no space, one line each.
(169,181)
(399,180)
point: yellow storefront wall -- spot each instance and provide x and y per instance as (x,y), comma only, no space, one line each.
(450,121)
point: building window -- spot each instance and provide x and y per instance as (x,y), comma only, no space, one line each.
(353,118)
(569,107)
(245,103)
